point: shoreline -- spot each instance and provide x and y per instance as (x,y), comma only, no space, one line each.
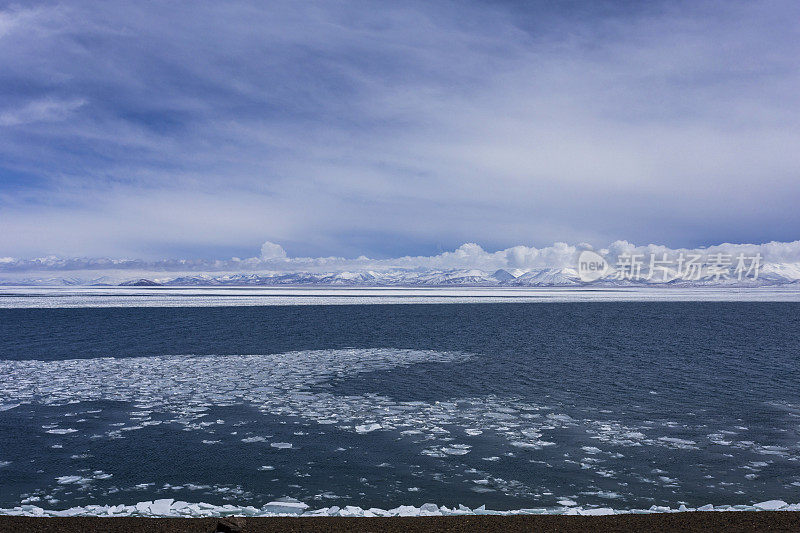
(92,297)
(684,521)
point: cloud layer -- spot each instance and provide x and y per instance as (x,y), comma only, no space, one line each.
(517,259)
(198,129)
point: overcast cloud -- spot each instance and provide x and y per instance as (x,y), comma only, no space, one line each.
(199,130)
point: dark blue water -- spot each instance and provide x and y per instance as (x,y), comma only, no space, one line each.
(623,405)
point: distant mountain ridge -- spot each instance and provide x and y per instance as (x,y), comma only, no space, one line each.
(771,274)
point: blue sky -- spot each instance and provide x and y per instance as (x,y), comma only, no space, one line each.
(203,129)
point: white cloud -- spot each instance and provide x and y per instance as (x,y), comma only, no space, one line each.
(270,250)
(43,110)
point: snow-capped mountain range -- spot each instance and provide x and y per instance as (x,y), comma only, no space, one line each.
(734,265)
(770,274)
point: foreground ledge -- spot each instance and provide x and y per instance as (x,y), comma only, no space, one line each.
(687,521)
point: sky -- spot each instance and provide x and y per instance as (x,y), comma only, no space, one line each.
(202,130)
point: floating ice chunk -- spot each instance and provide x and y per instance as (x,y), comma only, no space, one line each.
(678,443)
(264,468)
(771,505)
(405,510)
(366,428)
(254,439)
(771,450)
(351,510)
(180,505)
(73,511)
(567,502)
(281,445)
(161,507)
(66,480)
(433,452)
(602,511)
(429,509)
(60,431)
(285,506)
(609,495)
(457,449)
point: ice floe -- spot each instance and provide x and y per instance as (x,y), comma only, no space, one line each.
(254,439)
(293,507)
(296,384)
(183,389)
(367,428)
